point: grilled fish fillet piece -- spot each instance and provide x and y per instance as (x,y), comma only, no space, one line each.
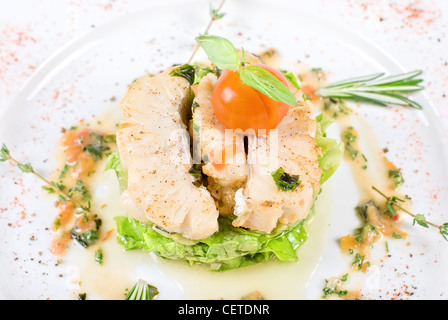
(222,150)
(154,148)
(260,204)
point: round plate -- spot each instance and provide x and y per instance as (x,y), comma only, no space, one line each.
(90,74)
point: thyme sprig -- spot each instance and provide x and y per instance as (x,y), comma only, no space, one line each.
(393,204)
(215,14)
(376,90)
(5,155)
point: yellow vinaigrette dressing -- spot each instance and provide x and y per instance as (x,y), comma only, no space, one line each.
(371,171)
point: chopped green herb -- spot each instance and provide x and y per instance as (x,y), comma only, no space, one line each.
(194,105)
(397,177)
(195,171)
(97,146)
(334,290)
(397,236)
(185,71)
(88,237)
(337,106)
(111,138)
(284,181)
(350,137)
(99,256)
(81,189)
(64,171)
(82,296)
(359,261)
(362,232)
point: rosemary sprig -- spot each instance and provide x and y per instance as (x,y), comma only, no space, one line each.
(5,155)
(142,291)
(392,205)
(376,90)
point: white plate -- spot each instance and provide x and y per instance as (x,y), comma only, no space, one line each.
(80,80)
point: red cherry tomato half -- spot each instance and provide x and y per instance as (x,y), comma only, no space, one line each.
(239,106)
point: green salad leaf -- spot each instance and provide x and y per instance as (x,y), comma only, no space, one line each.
(332,149)
(113,162)
(229,248)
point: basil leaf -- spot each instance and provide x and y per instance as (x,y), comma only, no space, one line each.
(290,76)
(262,80)
(220,51)
(284,181)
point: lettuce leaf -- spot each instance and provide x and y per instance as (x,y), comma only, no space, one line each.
(113,162)
(332,149)
(229,248)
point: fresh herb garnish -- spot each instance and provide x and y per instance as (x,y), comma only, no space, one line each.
(397,177)
(196,172)
(142,291)
(99,256)
(290,76)
(89,237)
(333,289)
(284,181)
(97,145)
(376,90)
(393,206)
(215,14)
(50,186)
(337,106)
(263,81)
(224,55)
(82,296)
(350,137)
(360,262)
(186,71)
(362,232)
(80,189)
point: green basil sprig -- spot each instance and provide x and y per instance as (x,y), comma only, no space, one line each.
(222,53)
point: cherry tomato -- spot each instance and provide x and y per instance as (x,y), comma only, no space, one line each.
(239,106)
